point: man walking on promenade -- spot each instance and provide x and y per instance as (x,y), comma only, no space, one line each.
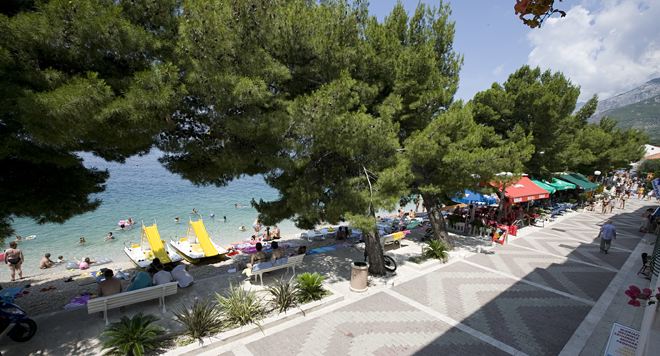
(607,234)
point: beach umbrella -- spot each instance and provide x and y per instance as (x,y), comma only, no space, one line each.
(470,197)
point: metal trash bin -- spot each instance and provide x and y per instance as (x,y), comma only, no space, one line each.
(359,276)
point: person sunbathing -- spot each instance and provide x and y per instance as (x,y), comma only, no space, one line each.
(277,252)
(84,264)
(257,257)
(110,285)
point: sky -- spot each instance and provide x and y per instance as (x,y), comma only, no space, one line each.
(605,46)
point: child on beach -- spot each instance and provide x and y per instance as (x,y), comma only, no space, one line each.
(84,264)
(46,262)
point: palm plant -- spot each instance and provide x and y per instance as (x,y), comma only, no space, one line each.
(310,287)
(435,249)
(200,320)
(240,307)
(132,336)
(284,295)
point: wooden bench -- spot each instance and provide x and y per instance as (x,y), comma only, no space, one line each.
(103,304)
(291,262)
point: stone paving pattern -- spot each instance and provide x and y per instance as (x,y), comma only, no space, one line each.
(529,295)
(528,318)
(376,325)
(569,276)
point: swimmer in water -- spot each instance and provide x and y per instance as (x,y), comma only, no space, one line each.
(109,236)
(224,218)
(82,240)
(212,215)
(177,220)
(242,228)
(194,211)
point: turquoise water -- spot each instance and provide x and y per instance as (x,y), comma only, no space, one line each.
(145,191)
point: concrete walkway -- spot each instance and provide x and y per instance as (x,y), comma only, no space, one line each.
(550,291)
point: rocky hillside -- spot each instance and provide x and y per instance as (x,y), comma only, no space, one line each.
(638,108)
(643,92)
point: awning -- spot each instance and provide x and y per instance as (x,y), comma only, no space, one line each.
(524,190)
(579,180)
(470,197)
(544,186)
(560,184)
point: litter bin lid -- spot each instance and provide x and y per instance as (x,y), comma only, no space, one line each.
(359,264)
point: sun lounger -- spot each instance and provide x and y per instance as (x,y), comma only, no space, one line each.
(394,238)
(103,304)
(288,262)
(310,235)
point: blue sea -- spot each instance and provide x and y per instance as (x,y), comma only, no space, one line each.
(144,190)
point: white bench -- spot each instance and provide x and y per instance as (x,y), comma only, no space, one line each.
(103,304)
(291,262)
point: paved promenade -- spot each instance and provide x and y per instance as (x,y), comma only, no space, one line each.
(544,293)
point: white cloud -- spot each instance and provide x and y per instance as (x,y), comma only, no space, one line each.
(606,50)
(498,70)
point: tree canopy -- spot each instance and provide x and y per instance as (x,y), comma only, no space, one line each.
(453,153)
(543,104)
(77,76)
(343,114)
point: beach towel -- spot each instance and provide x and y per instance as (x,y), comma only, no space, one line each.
(319,250)
(9,294)
(78,302)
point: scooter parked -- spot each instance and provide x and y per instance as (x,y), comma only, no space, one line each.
(15,323)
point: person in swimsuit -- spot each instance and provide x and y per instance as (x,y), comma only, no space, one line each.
(14,258)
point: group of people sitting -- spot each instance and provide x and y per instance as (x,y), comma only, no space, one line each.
(156,274)
(276,254)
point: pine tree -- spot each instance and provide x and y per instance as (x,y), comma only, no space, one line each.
(86,75)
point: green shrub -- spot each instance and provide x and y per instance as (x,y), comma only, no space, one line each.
(202,319)
(132,336)
(435,249)
(240,307)
(284,295)
(310,287)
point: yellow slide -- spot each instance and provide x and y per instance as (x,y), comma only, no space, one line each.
(203,238)
(157,247)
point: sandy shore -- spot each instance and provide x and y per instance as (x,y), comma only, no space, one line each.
(49,290)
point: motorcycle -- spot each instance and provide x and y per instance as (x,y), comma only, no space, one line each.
(15,323)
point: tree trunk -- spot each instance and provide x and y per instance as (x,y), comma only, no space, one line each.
(374,250)
(437,222)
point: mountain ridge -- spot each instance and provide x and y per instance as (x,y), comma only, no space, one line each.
(637,108)
(645,91)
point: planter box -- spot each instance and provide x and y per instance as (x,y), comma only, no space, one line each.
(225,337)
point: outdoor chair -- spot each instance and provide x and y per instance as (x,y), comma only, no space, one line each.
(646,266)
